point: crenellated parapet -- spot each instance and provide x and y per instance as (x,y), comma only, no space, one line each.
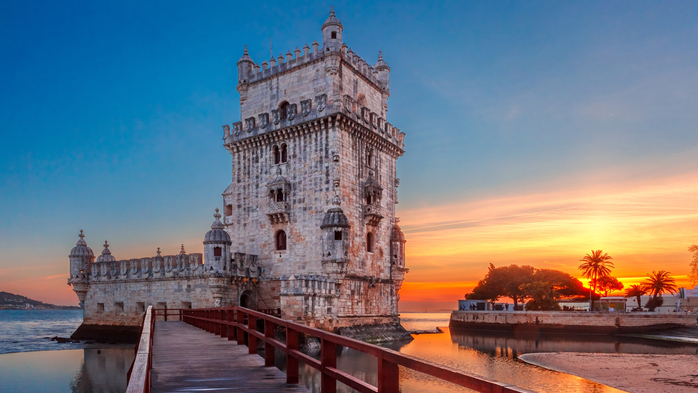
(148,268)
(313,285)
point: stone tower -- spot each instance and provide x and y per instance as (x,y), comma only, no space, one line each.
(311,206)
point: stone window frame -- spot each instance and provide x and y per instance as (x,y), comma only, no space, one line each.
(283,106)
(217,251)
(280,240)
(279,153)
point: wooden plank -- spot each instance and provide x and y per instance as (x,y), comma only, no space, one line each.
(189,359)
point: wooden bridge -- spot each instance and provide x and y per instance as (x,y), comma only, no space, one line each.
(216,349)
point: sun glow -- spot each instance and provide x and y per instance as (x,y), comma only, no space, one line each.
(643,227)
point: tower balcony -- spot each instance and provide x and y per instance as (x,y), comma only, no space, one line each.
(278,212)
(372,213)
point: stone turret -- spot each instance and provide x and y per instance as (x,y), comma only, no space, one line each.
(335,240)
(81,259)
(332,33)
(217,247)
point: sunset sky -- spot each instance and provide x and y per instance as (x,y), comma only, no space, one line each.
(536,131)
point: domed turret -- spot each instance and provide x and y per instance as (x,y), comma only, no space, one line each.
(335,216)
(81,257)
(335,239)
(383,71)
(397,245)
(217,247)
(332,33)
(81,249)
(106,254)
(245,66)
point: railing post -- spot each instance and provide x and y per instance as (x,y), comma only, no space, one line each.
(268,348)
(241,333)
(291,362)
(181,315)
(251,339)
(221,319)
(388,376)
(328,357)
(231,328)
(165,313)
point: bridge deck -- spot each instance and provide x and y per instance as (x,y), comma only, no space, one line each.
(187,359)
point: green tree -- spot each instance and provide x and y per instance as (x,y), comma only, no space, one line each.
(597,264)
(636,291)
(693,275)
(607,284)
(514,278)
(548,286)
(504,281)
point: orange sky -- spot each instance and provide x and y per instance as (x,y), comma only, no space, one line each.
(643,227)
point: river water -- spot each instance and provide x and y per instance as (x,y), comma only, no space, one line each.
(32,363)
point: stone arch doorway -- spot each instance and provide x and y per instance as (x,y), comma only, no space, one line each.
(247,300)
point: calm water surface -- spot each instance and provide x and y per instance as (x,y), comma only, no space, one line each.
(494,356)
(29,363)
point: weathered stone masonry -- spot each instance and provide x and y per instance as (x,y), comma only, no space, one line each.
(309,222)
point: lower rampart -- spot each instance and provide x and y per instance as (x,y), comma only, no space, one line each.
(569,322)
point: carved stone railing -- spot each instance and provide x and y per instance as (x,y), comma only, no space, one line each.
(308,285)
(277,212)
(372,213)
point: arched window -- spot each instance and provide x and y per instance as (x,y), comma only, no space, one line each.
(277,155)
(282,110)
(369,199)
(284,153)
(279,195)
(369,157)
(369,242)
(280,240)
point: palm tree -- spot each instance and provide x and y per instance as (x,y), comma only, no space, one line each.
(660,282)
(595,265)
(636,291)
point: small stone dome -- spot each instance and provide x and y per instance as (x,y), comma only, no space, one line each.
(335,216)
(332,20)
(217,234)
(381,64)
(245,57)
(106,254)
(397,235)
(81,249)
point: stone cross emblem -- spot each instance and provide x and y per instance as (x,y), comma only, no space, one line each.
(306,105)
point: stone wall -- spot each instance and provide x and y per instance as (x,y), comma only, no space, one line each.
(570,322)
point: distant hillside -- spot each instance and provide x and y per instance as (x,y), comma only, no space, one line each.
(10,301)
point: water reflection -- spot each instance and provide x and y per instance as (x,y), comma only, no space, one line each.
(512,345)
(76,371)
(494,355)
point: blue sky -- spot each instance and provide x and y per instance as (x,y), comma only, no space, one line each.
(111,112)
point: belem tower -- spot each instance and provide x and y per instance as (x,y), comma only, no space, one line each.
(308,223)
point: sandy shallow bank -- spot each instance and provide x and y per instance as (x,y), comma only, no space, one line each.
(629,372)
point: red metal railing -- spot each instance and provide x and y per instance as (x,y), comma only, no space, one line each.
(236,322)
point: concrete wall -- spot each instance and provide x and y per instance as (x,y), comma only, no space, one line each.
(571,322)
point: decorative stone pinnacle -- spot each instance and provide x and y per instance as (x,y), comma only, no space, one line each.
(81,241)
(380,55)
(331,10)
(245,49)
(182,250)
(336,201)
(217,215)
(158,251)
